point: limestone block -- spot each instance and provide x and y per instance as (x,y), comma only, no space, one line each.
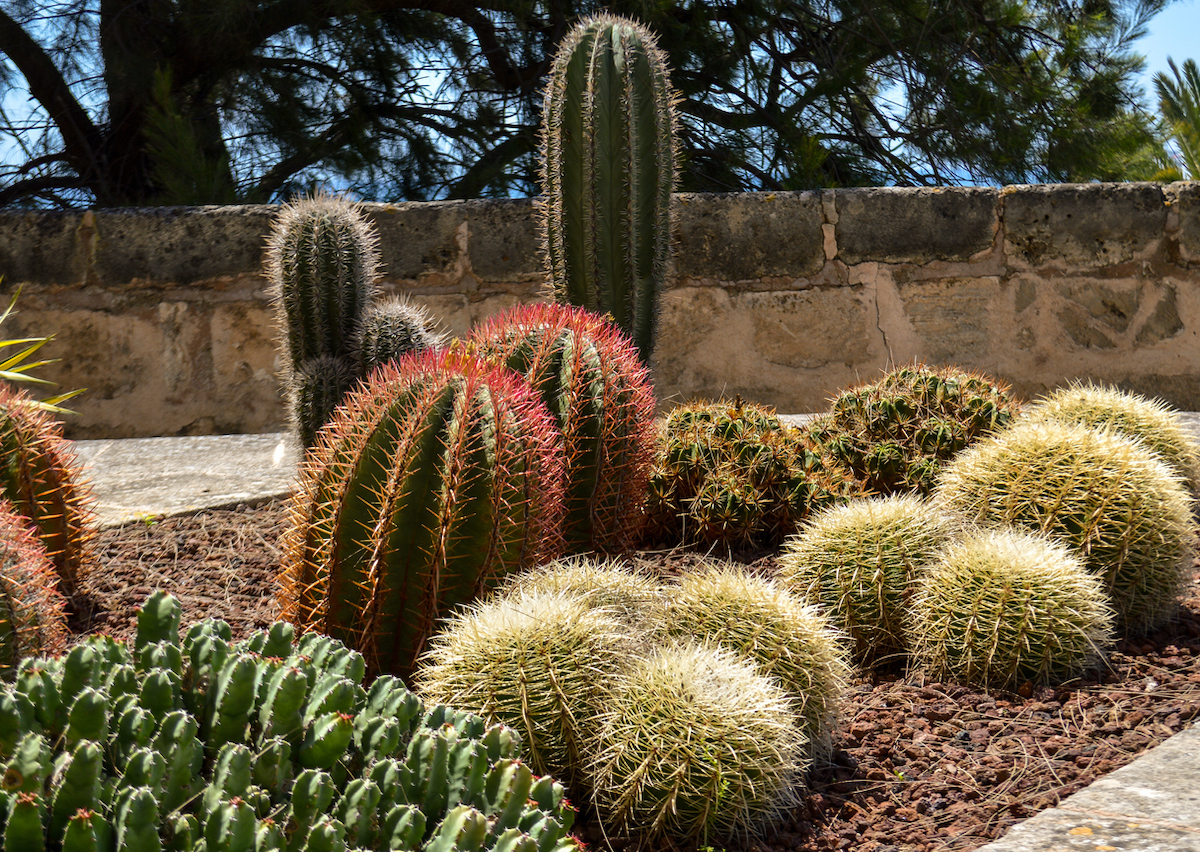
(1116,313)
(504,241)
(246,365)
(952,318)
(748,236)
(422,242)
(40,246)
(1187,206)
(916,225)
(1082,226)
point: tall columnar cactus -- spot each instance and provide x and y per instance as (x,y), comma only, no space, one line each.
(32,612)
(40,477)
(607,173)
(599,393)
(268,744)
(440,475)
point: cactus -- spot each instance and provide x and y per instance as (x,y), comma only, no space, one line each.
(608,169)
(694,744)
(759,619)
(390,329)
(439,476)
(1108,496)
(1150,421)
(537,662)
(39,476)
(895,434)
(858,562)
(1003,608)
(405,778)
(32,612)
(591,380)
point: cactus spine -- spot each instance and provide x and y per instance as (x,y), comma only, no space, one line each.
(32,612)
(599,393)
(440,475)
(608,145)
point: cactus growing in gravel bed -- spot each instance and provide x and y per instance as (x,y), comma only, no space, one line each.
(1006,607)
(439,476)
(857,562)
(1115,501)
(32,611)
(266,744)
(590,378)
(896,433)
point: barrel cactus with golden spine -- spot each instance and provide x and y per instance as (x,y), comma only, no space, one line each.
(1006,607)
(439,476)
(1115,501)
(589,376)
(33,618)
(858,563)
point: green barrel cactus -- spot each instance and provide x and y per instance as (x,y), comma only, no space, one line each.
(695,745)
(270,744)
(759,619)
(608,168)
(600,395)
(1007,607)
(895,434)
(858,563)
(438,477)
(40,476)
(32,611)
(1115,501)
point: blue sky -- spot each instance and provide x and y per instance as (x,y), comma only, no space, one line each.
(1173,32)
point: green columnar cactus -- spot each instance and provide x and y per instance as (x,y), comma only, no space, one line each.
(390,329)
(32,612)
(695,745)
(41,479)
(438,477)
(289,778)
(759,619)
(1006,607)
(537,662)
(1125,511)
(599,393)
(608,149)
(895,434)
(858,562)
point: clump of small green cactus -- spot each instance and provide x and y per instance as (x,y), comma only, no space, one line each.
(758,618)
(589,376)
(858,562)
(1126,512)
(1006,607)
(729,472)
(391,328)
(537,662)
(695,745)
(895,434)
(1150,421)
(269,744)
(32,611)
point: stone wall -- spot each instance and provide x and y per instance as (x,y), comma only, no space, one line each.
(781,297)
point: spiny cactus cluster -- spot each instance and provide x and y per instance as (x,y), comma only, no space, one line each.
(681,711)
(265,744)
(323,263)
(895,434)
(438,477)
(730,472)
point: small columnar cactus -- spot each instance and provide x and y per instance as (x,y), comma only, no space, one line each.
(1115,501)
(589,376)
(267,744)
(537,662)
(41,478)
(895,434)
(695,744)
(608,169)
(858,562)
(440,475)
(1007,607)
(390,329)
(32,612)
(759,619)
(1150,421)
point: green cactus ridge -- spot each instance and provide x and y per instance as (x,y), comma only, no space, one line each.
(1127,513)
(33,614)
(175,782)
(1007,607)
(439,476)
(608,166)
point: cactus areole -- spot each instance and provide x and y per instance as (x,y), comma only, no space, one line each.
(439,476)
(608,170)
